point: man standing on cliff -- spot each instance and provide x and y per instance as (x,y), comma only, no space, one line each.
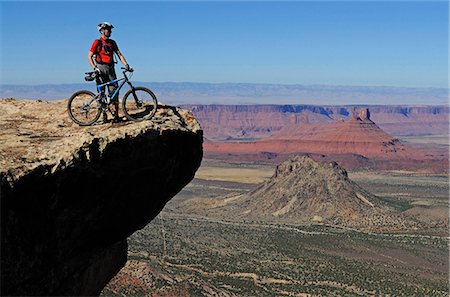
(101,58)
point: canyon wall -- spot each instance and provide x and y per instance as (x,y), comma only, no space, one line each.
(228,122)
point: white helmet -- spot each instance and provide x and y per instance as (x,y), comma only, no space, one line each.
(104,25)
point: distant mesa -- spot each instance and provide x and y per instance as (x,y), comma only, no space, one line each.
(262,121)
(359,135)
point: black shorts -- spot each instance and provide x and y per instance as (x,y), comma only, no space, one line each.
(108,73)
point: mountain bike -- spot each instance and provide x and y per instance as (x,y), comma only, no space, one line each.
(84,107)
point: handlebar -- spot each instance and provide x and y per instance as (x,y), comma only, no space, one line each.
(90,76)
(127,70)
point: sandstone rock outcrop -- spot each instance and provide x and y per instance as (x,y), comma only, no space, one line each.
(70,195)
(304,191)
(307,190)
(359,135)
(361,114)
(260,121)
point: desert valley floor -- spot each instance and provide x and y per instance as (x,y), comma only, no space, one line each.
(304,201)
(184,252)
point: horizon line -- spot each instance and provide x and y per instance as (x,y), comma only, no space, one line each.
(239,83)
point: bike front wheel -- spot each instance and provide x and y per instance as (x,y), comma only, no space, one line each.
(83,108)
(139,104)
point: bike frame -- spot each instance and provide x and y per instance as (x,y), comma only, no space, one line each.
(124,79)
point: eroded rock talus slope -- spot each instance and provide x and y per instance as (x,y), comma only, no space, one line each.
(70,195)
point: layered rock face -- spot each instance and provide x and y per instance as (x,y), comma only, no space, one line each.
(253,121)
(260,121)
(70,195)
(359,135)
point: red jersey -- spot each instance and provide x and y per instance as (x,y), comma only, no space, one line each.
(104,50)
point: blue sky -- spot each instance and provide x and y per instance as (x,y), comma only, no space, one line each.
(338,43)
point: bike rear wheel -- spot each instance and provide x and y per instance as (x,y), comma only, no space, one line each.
(83,108)
(139,104)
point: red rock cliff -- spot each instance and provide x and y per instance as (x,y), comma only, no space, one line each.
(359,135)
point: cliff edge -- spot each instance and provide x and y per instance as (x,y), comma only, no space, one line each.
(70,195)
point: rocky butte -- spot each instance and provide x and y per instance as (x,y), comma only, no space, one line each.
(304,191)
(70,195)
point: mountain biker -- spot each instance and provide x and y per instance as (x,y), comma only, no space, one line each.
(101,58)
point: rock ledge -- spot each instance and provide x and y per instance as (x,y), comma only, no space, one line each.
(70,195)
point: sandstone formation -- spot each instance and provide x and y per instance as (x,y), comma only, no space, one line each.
(305,191)
(359,135)
(222,122)
(70,195)
(350,135)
